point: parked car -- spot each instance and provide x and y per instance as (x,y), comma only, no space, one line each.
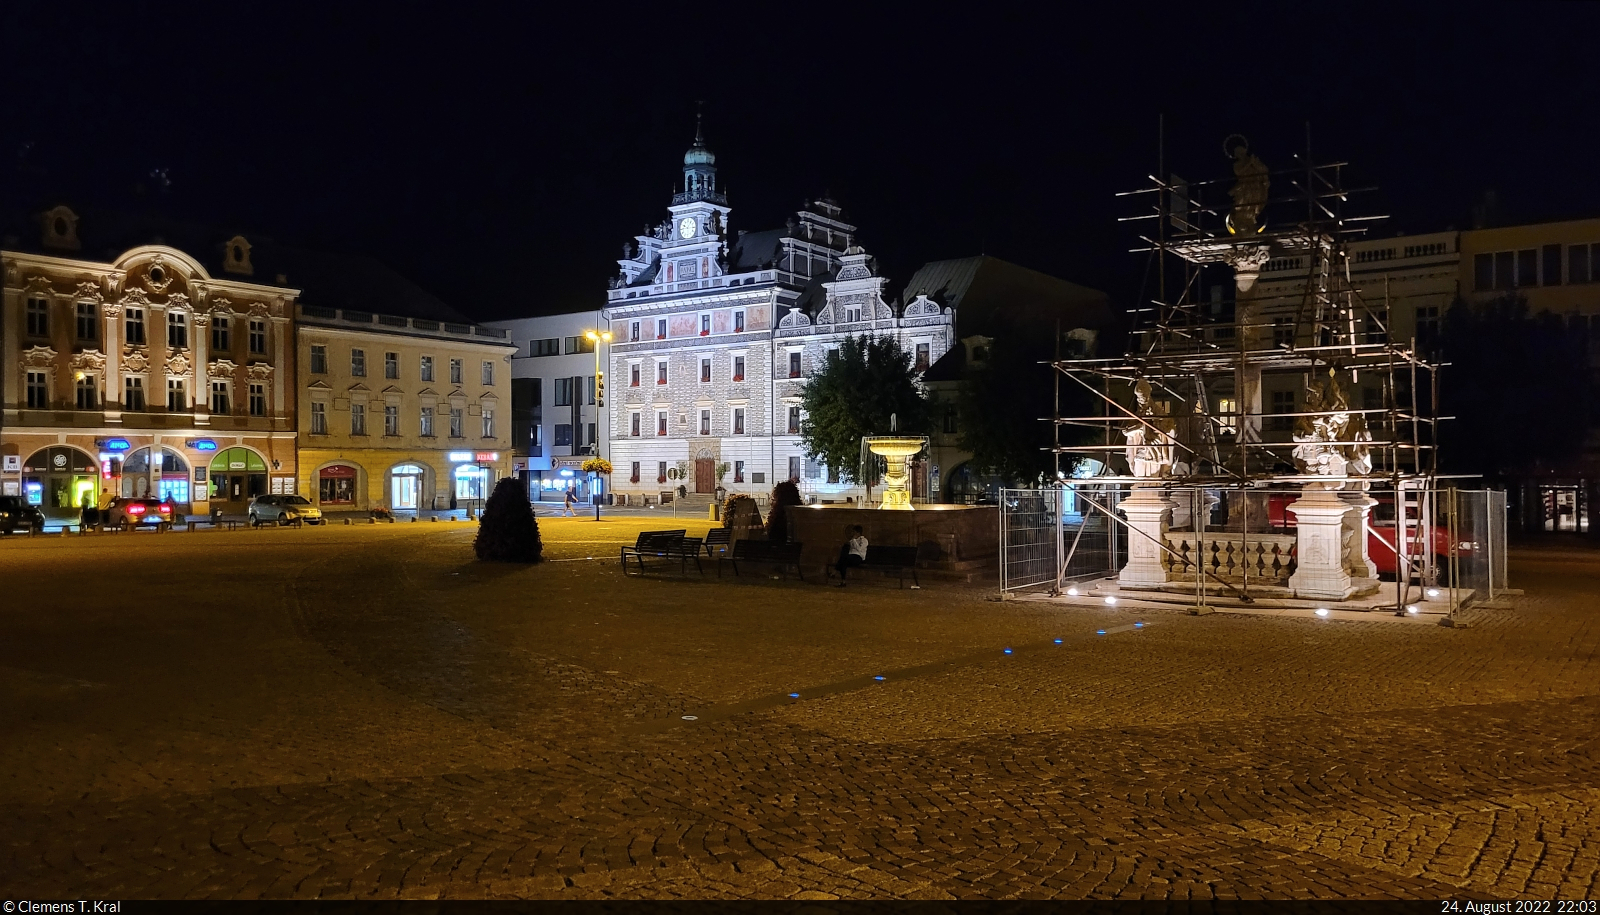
(284,510)
(17,515)
(124,513)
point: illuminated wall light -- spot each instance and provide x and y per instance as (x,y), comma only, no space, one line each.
(1322,611)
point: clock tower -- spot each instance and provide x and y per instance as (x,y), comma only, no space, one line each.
(695,243)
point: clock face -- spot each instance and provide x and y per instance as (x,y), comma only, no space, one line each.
(686,227)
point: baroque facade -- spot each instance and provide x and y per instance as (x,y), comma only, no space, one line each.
(714,334)
(148,374)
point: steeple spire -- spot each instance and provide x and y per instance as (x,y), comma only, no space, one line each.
(699,168)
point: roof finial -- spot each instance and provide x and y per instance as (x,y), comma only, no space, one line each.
(699,109)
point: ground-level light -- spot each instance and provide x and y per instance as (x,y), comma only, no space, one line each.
(1111,602)
(1322,611)
(1433,592)
(1072,592)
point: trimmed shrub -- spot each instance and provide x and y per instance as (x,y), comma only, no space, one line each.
(508,532)
(735,503)
(784,496)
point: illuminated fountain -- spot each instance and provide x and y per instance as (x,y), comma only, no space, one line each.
(895,450)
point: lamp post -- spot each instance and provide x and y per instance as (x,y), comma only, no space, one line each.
(597,337)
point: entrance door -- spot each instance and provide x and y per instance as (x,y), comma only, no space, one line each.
(705,475)
(404,496)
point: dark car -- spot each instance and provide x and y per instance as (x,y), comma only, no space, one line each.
(17,515)
(123,514)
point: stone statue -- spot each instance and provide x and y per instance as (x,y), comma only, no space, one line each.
(1149,450)
(1250,188)
(1327,422)
(714,225)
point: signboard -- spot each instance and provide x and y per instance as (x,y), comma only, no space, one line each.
(459,457)
(483,457)
(236,465)
(283,486)
(199,474)
(13,464)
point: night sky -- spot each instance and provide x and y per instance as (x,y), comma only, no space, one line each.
(501,159)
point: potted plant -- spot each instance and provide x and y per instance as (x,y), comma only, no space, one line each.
(596,467)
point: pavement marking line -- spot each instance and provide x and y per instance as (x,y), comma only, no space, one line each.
(987,656)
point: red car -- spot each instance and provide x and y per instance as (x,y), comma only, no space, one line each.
(123,514)
(1381,546)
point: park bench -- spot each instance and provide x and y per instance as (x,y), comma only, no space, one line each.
(651,543)
(897,559)
(782,555)
(717,541)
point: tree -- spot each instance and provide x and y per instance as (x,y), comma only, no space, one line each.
(1004,405)
(1518,386)
(508,532)
(860,385)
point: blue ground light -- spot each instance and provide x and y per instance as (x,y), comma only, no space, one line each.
(1008,651)
(1058,641)
(1099,632)
(794,695)
(1138,625)
(878,677)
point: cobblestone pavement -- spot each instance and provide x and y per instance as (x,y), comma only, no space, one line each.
(364,711)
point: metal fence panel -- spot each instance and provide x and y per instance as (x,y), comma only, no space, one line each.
(1030,538)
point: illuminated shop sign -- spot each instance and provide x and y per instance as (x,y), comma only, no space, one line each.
(457,457)
(115,444)
(202,444)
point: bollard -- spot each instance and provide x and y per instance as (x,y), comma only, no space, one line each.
(347,522)
(413,519)
(434,518)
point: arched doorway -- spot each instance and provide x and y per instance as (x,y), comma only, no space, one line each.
(61,481)
(237,476)
(336,484)
(407,482)
(166,474)
(472,485)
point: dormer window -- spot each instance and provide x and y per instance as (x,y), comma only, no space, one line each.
(852,314)
(60,229)
(236,256)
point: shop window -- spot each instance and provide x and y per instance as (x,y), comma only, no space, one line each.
(222,342)
(319,418)
(258,337)
(39,318)
(177,330)
(472,483)
(336,485)
(88,322)
(133,394)
(38,391)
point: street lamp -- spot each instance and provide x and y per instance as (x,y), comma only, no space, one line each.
(597,337)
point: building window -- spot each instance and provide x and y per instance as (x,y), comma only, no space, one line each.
(594,434)
(705,324)
(1577,264)
(1282,403)
(426,369)
(794,364)
(455,371)
(635,467)
(1527,268)
(258,399)
(705,422)
(661,422)
(563,435)
(319,418)
(579,345)
(488,373)
(222,341)
(88,322)
(852,314)
(358,363)
(39,318)
(951,422)
(563,392)
(258,337)
(133,326)
(1552,265)
(1282,331)
(457,423)
(633,424)
(177,402)
(319,358)
(705,371)
(1377,324)
(38,391)
(661,471)
(633,376)
(661,328)
(922,357)
(1427,323)
(661,372)
(391,419)
(738,420)
(794,420)
(813,470)
(391,365)
(738,321)
(738,368)
(177,330)
(221,403)
(133,394)
(633,337)
(589,386)
(488,422)
(358,419)
(425,423)
(88,393)
(738,471)
(550,346)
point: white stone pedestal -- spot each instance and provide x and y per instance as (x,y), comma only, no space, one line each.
(1148,513)
(1357,556)
(1321,571)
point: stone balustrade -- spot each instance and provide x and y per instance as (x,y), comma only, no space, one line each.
(1268,559)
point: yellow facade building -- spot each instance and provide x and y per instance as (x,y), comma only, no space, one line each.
(403,412)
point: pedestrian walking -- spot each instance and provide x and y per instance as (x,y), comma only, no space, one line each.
(572,504)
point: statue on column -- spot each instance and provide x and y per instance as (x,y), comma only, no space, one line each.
(1149,438)
(1328,440)
(1250,188)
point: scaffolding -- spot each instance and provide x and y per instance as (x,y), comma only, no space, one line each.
(1185,411)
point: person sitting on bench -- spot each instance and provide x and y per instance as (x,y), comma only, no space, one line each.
(853,553)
